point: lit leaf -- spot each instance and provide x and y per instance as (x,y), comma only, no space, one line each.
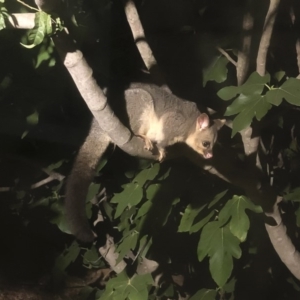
(234,210)
(220,245)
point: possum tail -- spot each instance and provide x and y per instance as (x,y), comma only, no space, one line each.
(79,180)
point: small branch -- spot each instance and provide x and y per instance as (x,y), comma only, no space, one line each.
(52,176)
(251,144)
(139,34)
(266,37)
(282,243)
(141,42)
(227,56)
(28,6)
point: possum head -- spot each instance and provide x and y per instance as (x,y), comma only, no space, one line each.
(204,136)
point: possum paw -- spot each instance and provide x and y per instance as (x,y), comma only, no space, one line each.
(148,143)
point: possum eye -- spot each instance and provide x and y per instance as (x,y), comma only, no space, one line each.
(206,144)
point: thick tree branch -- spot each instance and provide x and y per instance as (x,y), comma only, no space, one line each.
(95,99)
(282,242)
(21,21)
(266,37)
(243,61)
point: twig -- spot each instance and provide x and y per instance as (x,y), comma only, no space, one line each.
(25,4)
(52,176)
(227,56)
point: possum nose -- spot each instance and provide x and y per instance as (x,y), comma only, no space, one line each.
(207,155)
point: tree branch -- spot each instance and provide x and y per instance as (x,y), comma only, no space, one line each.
(227,56)
(95,99)
(243,61)
(141,42)
(282,243)
(20,21)
(266,37)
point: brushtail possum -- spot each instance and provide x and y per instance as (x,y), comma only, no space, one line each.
(161,120)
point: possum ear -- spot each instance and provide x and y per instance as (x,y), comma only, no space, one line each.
(219,123)
(202,122)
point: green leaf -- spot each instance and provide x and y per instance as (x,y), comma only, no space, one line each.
(228,92)
(145,244)
(255,84)
(274,96)
(238,105)
(188,217)
(2,21)
(252,106)
(33,119)
(168,213)
(230,286)
(217,198)
(58,217)
(127,244)
(55,165)
(132,195)
(291,91)
(92,191)
(3,15)
(152,190)
(144,209)
(42,27)
(147,174)
(67,257)
(198,226)
(125,219)
(220,245)
(122,287)
(279,75)
(91,255)
(204,294)
(235,211)
(217,71)
(293,195)
(45,54)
